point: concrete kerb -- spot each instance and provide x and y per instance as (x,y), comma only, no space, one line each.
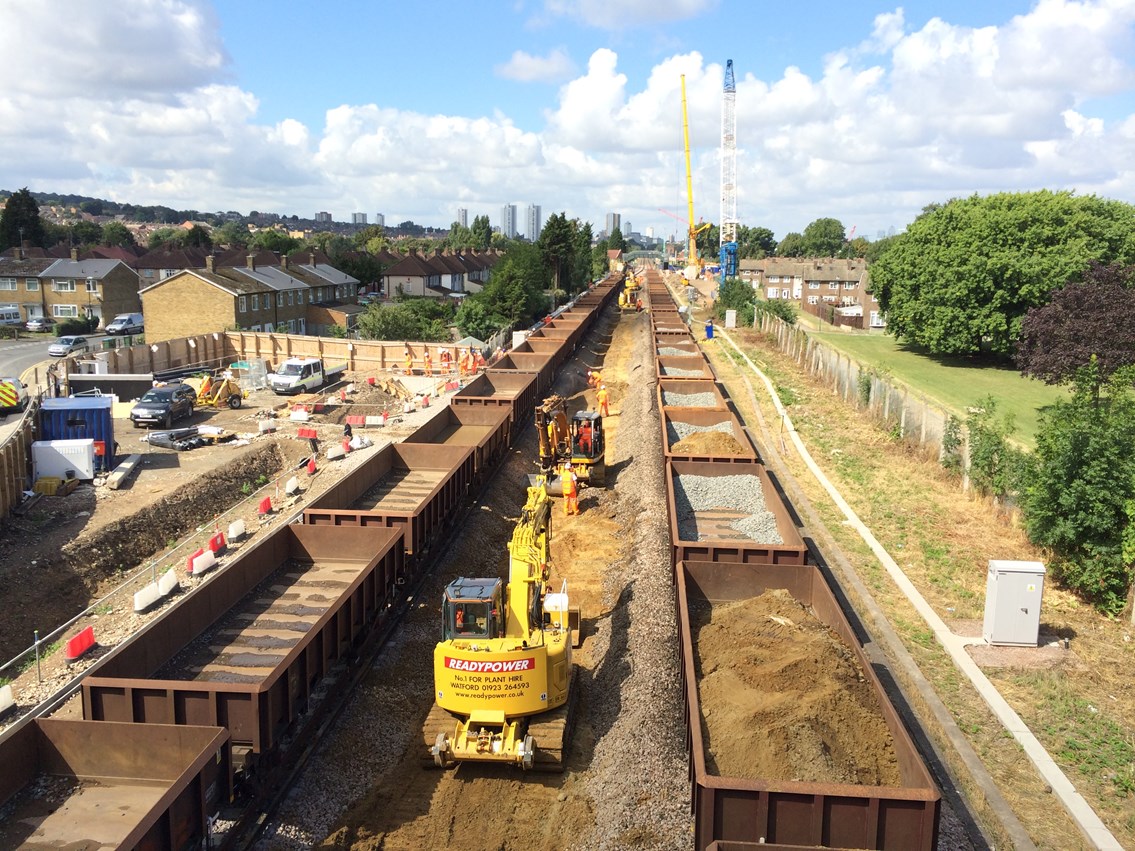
(1078,808)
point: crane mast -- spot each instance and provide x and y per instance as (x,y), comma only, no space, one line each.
(691,245)
(728,247)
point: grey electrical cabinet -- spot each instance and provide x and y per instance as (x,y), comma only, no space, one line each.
(1012,602)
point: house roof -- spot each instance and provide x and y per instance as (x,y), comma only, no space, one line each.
(232,285)
(172,258)
(414,266)
(614,253)
(28,267)
(91,268)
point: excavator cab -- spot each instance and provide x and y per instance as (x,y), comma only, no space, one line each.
(471,609)
(578,440)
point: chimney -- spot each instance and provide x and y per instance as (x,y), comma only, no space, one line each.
(250,261)
(75,254)
(284,262)
(210,263)
(311,256)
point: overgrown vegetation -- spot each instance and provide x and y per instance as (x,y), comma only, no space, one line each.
(408,318)
(995,467)
(514,296)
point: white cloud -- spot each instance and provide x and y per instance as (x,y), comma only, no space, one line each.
(553,68)
(898,119)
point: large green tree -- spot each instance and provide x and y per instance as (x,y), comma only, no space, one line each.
(824,238)
(616,240)
(1081,483)
(582,272)
(482,232)
(557,246)
(21,219)
(86,233)
(514,295)
(962,277)
(791,246)
(116,233)
(755,243)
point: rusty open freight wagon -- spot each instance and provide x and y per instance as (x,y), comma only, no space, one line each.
(755,528)
(416,488)
(556,349)
(487,430)
(254,648)
(672,345)
(691,393)
(787,813)
(680,423)
(82,784)
(687,367)
(515,391)
(541,364)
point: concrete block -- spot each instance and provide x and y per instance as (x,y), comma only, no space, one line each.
(168,582)
(204,562)
(147,597)
(236,530)
(334,452)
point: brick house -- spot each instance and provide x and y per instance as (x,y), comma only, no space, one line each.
(844,284)
(96,288)
(413,275)
(20,285)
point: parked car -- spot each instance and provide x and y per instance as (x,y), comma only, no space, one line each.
(126,323)
(40,323)
(13,396)
(68,346)
(162,405)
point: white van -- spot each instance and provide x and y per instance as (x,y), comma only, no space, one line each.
(125,323)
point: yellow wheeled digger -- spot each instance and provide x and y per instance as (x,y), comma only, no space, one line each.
(578,440)
(218,391)
(504,682)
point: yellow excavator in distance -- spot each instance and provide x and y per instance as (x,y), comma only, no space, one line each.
(504,682)
(579,441)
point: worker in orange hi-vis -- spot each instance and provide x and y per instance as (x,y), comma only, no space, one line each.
(446,359)
(602,397)
(409,361)
(479,360)
(571,490)
(461,362)
(429,362)
(594,378)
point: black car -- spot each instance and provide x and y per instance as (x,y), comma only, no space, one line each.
(163,405)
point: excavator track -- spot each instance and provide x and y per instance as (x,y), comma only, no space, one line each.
(438,721)
(552,730)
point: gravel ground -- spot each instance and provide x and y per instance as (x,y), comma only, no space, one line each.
(670,351)
(688,400)
(738,493)
(676,372)
(680,431)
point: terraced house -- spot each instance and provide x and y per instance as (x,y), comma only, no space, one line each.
(66,289)
(820,286)
(284,297)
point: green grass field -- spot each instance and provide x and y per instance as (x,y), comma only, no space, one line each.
(955,383)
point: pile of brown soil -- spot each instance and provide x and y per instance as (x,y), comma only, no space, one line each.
(782,698)
(709,443)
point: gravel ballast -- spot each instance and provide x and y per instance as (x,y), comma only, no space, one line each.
(680,431)
(675,372)
(688,400)
(743,493)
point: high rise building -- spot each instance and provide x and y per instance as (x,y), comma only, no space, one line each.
(614,220)
(533,221)
(323,217)
(380,220)
(508,221)
(463,217)
(627,229)
(358,218)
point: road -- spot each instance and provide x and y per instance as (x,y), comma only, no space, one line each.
(28,359)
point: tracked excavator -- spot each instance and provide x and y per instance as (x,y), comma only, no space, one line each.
(578,440)
(504,682)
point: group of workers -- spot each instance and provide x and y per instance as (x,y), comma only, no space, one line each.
(468,361)
(602,397)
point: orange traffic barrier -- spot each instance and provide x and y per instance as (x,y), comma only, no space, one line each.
(307,433)
(189,561)
(265,506)
(218,544)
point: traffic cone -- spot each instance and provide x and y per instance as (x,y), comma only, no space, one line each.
(311,466)
(342,395)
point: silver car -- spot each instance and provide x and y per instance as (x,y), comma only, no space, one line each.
(68,346)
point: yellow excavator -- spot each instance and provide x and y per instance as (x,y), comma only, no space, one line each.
(628,298)
(218,391)
(504,682)
(578,440)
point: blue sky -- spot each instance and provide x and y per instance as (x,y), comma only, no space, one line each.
(865,111)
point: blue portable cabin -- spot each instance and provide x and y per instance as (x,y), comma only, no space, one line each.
(80,418)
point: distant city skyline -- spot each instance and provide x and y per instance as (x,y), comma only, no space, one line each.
(868,114)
